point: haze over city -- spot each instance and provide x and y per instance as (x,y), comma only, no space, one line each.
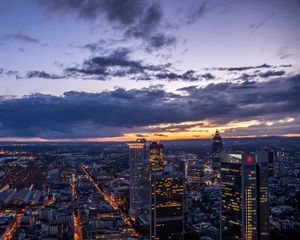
(149,119)
(118,70)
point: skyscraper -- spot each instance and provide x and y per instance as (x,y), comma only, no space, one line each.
(216,156)
(244,192)
(262,180)
(167,207)
(194,173)
(271,164)
(231,196)
(178,164)
(156,155)
(271,161)
(139,168)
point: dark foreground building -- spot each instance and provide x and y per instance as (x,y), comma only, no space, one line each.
(167,207)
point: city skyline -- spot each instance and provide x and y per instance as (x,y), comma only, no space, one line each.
(162,70)
(150,190)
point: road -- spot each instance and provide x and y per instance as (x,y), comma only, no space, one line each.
(13,225)
(111,201)
(76,218)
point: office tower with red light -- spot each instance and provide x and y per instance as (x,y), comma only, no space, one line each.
(244,194)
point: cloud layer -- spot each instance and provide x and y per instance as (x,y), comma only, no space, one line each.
(113,113)
(139,19)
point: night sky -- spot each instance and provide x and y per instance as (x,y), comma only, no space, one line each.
(106,70)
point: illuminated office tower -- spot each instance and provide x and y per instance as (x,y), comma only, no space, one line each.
(244,193)
(194,173)
(231,196)
(216,156)
(156,155)
(167,206)
(139,170)
(263,161)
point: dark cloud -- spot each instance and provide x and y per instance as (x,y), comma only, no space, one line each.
(246,85)
(195,14)
(230,69)
(187,76)
(259,74)
(160,135)
(112,113)
(12,73)
(245,68)
(42,74)
(147,22)
(272,74)
(208,76)
(116,64)
(139,19)
(247,77)
(124,12)
(141,135)
(19,37)
(161,40)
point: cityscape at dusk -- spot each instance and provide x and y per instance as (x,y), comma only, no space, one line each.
(150,119)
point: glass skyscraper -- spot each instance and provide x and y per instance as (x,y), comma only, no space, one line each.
(139,168)
(244,194)
(167,207)
(217,148)
(156,156)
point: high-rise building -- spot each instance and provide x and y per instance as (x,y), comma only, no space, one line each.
(178,164)
(156,156)
(231,196)
(217,148)
(271,163)
(262,180)
(194,172)
(139,167)
(244,193)
(167,207)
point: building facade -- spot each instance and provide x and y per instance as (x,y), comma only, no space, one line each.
(139,170)
(244,196)
(217,148)
(156,156)
(167,207)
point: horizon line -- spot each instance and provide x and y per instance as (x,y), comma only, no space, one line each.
(131,140)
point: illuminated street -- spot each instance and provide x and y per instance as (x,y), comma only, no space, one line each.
(13,225)
(76,219)
(111,201)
